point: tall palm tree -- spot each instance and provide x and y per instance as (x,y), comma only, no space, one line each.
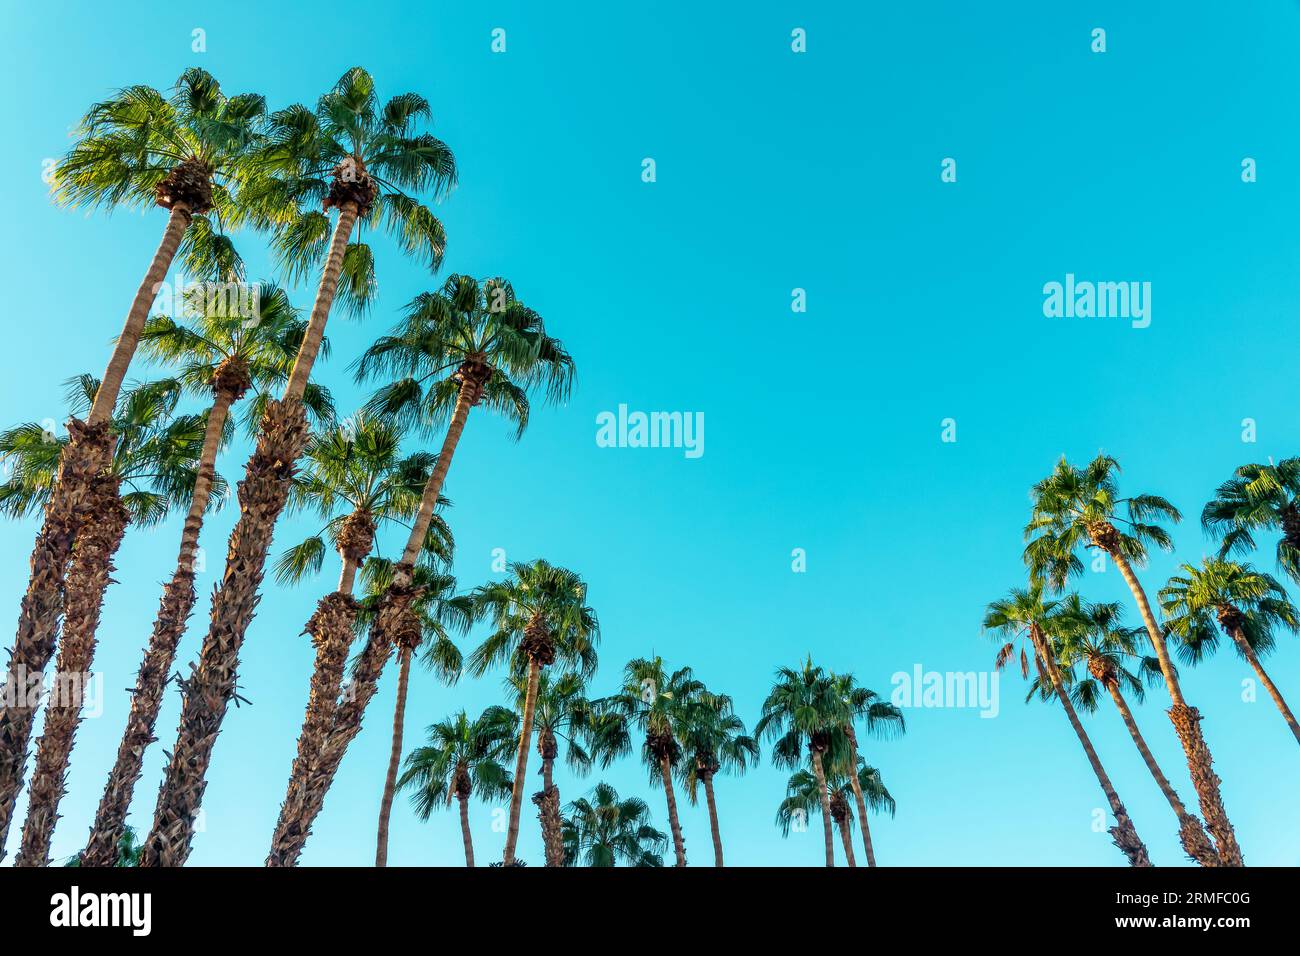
(1244,603)
(655,702)
(1024,615)
(804,798)
(437,611)
(356,480)
(1075,508)
(882,719)
(1258,498)
(539,615)
(1094,636)
(713,739)
(563,714)
(155,453)
(803,711)
(221,354)
(602,829)
(356,156)
(139,148)
(463,758)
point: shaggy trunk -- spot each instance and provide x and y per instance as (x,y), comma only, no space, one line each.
(394,755)
(521,761)
(1190,832)
(463,800)
(1123,833)
(88,450)
(842,824)
(88,580)
(1187,724)
(707,781)
(820,771)
(395,624)
(1249,653)
(210,688)
(548,801)
(858,798)
(679,842)
(231,381)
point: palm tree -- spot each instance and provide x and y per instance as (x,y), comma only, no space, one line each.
(713,739)
(222,354)
(1093,635)
(184,153)
(539,615)
(355,156)
(803,710)
(1258,498)
(436,611)
(602,829)
(882,719)
(1246,604)
(128,852)
(1024,614)
(656,703)
(1079,507)
(355,480)
(463,758)
(563,714)
(155,453)
(804,798)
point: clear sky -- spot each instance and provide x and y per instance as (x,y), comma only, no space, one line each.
(775,171)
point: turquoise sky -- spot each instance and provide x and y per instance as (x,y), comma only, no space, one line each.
(775,171)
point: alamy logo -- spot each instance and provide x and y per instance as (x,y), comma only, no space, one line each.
(1102,300)
(74,908)
(957,689)
(651,430)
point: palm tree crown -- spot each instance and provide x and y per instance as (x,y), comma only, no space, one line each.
(604,829)
(1258,498)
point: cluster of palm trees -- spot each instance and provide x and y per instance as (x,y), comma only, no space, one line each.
(310,179)
(1083,652)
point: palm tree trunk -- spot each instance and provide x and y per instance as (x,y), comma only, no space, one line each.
(72,498)
(1187,724)
(262,494)
(860,800)
(155,670)
(707,780)
(88,579)
(463,799)
(1123,833)
(1190,831)
(848,844)
(820,771)
(1249,653)
(394,756)
(548,812)
(521,761)
(675,823)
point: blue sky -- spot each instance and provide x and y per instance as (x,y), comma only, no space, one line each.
(775,171)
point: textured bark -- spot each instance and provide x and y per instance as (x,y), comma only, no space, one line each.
(89,576)
(521,761)
(820,772)
(858,798)
(89,449)
(1186,721)
(146,702)
(320,310)
(1123,833)
(1249,653)
(231,381)
(209,690)
(1190,832)
(395,622)
(674,821)
(1187,724)
(330,628)
(463,800)
(547,801)
(840,813)
(394,755)
(707,780)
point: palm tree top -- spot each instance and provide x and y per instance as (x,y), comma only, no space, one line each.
(1258,497)
(603,829)
(463,757)
(1225,596)
(441,611)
